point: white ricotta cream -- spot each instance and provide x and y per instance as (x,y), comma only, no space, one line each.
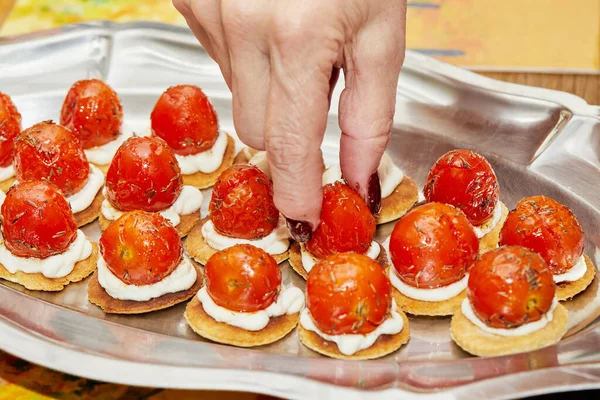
(2,198)
(85,196)
(56,266)
(6,172)
(289,301)
(309,260)
(353,343)
(437,294)
(576,272)
(525,329)
(260,161)
(206,161)
(182,278)
(488,226)
(276,242)
(103,155)
(188,202)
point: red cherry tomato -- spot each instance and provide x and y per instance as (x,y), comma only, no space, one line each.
(242,278)
(143,175)
(547,227)
(242,203)
(141,248)
(348,293)
(47,151)
(10,127)
(37,220)
(465,180)
(432,246)
(346,223)
(184,117)
(93,112)
(510,286)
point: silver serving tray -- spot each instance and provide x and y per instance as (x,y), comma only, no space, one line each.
(539,142)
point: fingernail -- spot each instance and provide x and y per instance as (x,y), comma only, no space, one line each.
(374,193)
(301,231)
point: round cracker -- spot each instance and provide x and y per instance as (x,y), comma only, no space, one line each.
(296,259)
(480,343)
(220,332)
(200,251)
(402,199)
(6,184)
(201,180)
(568,290)
(384,345)
(490,240)
(90,214)
(98,296)
(241,158)
(184,227)
(81,270)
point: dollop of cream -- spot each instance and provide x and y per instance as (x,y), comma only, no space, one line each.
(2,198)
(276,242)
(182,278)
(103,155)
(260,161)
(85,196)
(6,172)
(188,202)
(525,329)
(206,161)
(289,301)
(575,273)
(309,260)
(352,343)
(390,176)
(488,226)
(437,294)
(56,266)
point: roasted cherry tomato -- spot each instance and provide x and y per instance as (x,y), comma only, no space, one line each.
(243,278)
(348,293)
(184,117)
(510,286)
(93,112)
(547,227)
(346,223)
(465,180)
(37,220)
(143,175)
(10,127)
(141,248)
(242,203)
(433,245)
(48,151)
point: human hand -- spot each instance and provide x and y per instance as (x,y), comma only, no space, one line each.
(281,60)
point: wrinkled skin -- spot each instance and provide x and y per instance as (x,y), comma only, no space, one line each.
(10,127)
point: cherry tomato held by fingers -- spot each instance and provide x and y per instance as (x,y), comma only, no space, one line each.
(243,278)
(37,220)
(547,227)
(10,127)
(433,245)
(465,180)
(348,293)
(509,287)
(141,248)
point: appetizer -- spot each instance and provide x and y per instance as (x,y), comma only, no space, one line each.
(350,310)
(10,127)
(48,151)
(141,266)
(241,212)
(510,307)
(144,175)
(185,118)
(346,225)
(398,192)
(42,249)
(465,180)
(547,227)
(432,248)
(244,302)
(93,112)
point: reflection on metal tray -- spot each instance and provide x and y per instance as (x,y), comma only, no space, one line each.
(539,142)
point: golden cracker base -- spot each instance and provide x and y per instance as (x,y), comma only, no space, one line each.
(402,199)
(6,184)
(568,290)
(490,240)
(201,180)
(90,214)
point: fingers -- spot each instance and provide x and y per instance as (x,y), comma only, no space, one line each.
(367,104)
